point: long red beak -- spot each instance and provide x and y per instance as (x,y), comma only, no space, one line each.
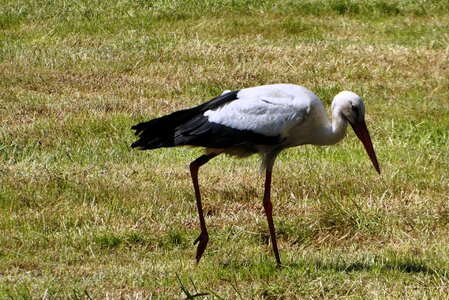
(362,133)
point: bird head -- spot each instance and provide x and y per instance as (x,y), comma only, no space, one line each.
(350,106)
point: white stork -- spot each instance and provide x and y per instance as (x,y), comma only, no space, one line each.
(264,120)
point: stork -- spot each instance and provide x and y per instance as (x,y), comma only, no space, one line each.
(264,120)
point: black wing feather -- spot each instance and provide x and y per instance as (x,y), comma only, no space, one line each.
(160,132)
(191,127)
(200,132)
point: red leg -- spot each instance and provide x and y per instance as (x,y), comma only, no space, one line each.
(203,238)
(269,213)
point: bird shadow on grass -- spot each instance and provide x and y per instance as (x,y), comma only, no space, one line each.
(362,266)
(377,264)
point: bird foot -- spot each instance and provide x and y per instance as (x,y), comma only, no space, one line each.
(203,238)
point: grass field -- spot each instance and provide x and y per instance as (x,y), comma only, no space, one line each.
(84,216)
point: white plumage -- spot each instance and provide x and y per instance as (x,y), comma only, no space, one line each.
(268,110)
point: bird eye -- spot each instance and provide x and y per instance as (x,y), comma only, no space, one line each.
(355,109)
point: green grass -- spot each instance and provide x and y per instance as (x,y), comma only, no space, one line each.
(84,216)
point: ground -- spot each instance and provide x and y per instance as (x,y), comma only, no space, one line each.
(82,215)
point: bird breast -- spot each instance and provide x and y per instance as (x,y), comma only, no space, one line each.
(313,128)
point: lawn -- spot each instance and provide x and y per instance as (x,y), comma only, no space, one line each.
(84,216)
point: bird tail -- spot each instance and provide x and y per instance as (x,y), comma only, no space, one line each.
(159,132)
(165,131)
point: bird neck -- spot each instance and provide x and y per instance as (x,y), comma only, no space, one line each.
(339,125)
